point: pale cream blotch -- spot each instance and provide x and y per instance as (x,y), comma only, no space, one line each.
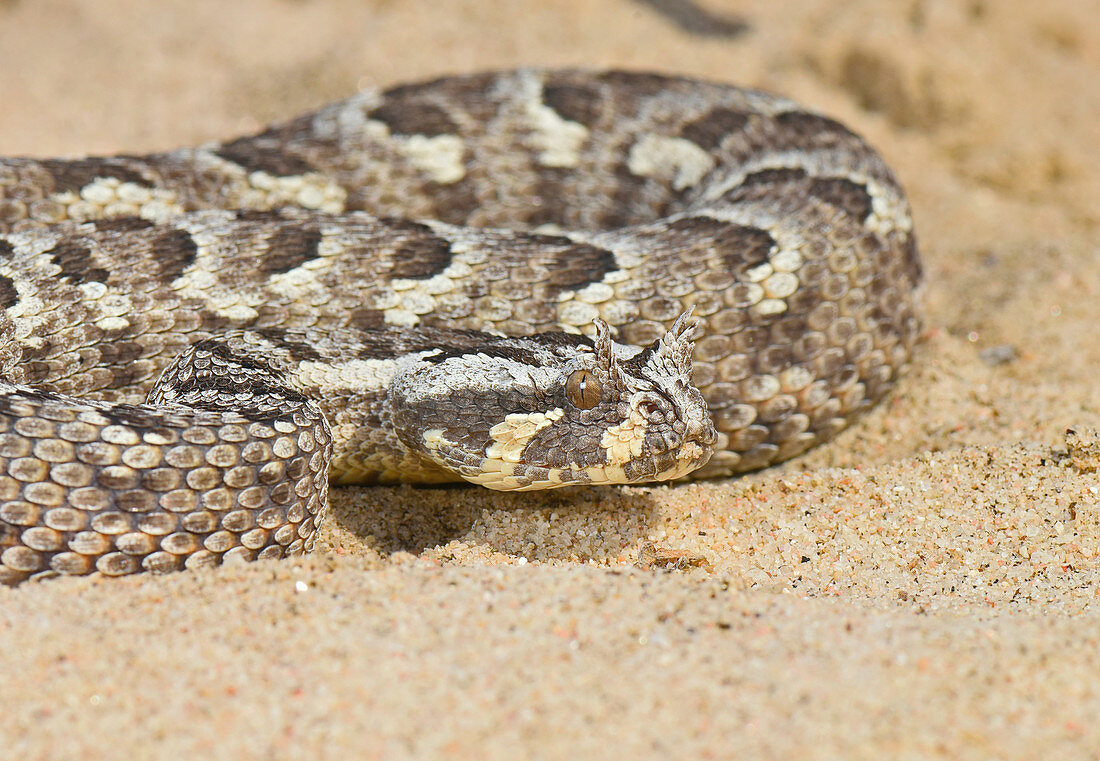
(574,315)
(624,442)
(559,140)
(407,299)
(309,191)
(501,476)
(304,283)
(440,157)
(889,211)
(511,437)
(675,160)
(434,438)
(110,197)
(200,283)
(261,190)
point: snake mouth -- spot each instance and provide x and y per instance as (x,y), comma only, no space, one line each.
(670,464)
(679,458)
(510,477)
(673,463)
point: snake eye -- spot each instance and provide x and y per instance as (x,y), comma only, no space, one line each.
(583,390)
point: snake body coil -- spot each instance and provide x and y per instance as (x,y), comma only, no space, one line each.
(195,343)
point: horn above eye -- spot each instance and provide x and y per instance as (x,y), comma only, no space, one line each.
(583,390)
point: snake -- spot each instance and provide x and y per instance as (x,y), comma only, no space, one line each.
(522,279)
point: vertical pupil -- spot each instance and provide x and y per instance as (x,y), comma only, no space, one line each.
(583,390)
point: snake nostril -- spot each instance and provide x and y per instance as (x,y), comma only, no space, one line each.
(701,431)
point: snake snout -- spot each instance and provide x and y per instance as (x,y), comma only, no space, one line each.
(702,432)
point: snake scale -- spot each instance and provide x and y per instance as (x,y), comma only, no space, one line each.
(483,277)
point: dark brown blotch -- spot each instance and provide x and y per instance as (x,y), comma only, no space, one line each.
(121,225)
(775,176)
(638,83)
(262,380)
(549,204)
(708,130)
(418,253)
(388,342)
(760,185)
(377,342)
(565,443)
(575,103)
(408,117)
(8,294)
(629,199)
(450,86)
(295,343)
(573,265)
(268,151)
(136,417)
(502,350)
(7,250)
(76,263)
(529,350)
(213,322)
(76,174)
(471,94)
(260,216)
(175,251)
(290,247)
(805,128)
(367,319)
(120,353)
(739,247)
(850,197)
(452,202)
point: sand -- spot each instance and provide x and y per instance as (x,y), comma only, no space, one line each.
(925,586)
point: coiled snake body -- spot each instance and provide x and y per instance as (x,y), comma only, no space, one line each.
(332,300)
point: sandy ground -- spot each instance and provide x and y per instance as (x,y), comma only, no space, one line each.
(924,587)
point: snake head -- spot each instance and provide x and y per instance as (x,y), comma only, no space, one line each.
(556,409)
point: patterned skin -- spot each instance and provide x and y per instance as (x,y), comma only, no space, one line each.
(543,202)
